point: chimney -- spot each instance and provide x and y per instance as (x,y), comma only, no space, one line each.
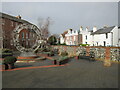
(81,28)
(105,26)
(94,29)
(19,17)
(86,28)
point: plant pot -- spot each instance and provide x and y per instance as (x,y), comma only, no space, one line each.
(76,57)
(55,62)
(6,66)
(2,67)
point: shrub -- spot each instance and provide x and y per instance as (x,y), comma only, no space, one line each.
(62,58)
(6,51)
(84,44)
(64,53)
(9,60)
(63,44)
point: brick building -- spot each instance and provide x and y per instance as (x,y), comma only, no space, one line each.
(71,37)
(7,24)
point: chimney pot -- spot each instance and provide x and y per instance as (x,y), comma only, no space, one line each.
(94,29)
(19,17)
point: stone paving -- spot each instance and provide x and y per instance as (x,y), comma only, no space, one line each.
(78,74)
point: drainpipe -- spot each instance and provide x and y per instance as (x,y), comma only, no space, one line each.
(112,38)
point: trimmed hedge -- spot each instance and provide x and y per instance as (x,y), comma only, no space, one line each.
(6,52)
(9,60)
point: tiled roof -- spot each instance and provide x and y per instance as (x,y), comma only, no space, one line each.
(103,30)
(63,34)
(3,15)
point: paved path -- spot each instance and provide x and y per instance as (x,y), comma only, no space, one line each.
(78,74)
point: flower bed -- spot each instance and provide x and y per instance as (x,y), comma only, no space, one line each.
(30,60)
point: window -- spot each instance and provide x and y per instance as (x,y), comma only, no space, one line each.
(97,43)
(33,35)
(104,43)
(22,35)
(86,37)
(3,22)
(27,43)
(85,42)
(26,35)
(74,38)
(11,42)
(106,35)
(11,23)
(70,37)
(16,24)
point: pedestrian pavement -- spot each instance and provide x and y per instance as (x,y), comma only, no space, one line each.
(77,74)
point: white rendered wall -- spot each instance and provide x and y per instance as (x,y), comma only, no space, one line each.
(115,36)
(119,37)
(89,37)
(61,39)
(100,38)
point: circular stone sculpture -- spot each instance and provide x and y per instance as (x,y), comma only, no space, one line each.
(16,37)
(26,53)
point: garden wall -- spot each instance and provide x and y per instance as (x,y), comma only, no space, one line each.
(101,53)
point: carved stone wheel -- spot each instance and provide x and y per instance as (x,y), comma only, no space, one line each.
(16,35)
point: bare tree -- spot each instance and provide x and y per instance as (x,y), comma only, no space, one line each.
(44,27)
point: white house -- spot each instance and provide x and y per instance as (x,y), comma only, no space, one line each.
(106,36)
(62,37)
(86,36)
(71,37)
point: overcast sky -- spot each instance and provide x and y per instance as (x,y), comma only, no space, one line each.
(66,15)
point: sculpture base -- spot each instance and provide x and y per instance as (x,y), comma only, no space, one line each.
(27,55)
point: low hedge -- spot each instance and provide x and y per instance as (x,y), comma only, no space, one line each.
(6,52)
(84,44)
(9,60)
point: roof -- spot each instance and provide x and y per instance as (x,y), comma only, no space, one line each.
(63,34)
(3,15)
(103,30)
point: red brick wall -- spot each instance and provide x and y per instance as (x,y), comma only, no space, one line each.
(8,27)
